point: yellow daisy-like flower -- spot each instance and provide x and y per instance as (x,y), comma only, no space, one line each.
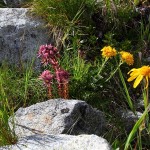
(139,74)
(108,52)
(127,57)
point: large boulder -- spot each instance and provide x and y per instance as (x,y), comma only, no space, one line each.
(58,116)
(20,35)
(60,142)
(13,3)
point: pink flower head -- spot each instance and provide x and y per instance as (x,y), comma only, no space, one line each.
(47,77)
(62,76)
(48,53)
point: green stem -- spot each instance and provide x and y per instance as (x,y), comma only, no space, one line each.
(3,96)
(102,66)
(129,101)
(114,71)
(145,97)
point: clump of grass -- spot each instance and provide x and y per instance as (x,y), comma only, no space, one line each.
(62,13)
(21,86)
(65,17)
(7,135)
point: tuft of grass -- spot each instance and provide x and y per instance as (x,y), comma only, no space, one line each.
(21,86)
(65,17)
(62,13)
(6,135)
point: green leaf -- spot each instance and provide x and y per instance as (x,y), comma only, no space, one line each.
(135,128)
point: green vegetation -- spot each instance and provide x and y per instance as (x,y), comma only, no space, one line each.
(81,28)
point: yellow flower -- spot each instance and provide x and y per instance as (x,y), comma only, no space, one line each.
(108,52)
(139,74)
(127,57)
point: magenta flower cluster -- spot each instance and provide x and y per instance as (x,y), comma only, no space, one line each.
(47,77)
(49,56)
(62,76)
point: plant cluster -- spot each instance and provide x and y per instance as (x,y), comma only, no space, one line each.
(139,75)
(50,55)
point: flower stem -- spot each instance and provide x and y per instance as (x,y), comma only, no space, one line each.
(114,71)
(49,90)
(65,91)
(60,90)
(128,98)
(146,97)
(102,66)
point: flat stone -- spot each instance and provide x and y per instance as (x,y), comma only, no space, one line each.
(60,142)
(59,116)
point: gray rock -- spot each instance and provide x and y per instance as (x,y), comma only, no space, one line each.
(140,103)
(60,142)
(58,116)
(148,59)
(128,118)
(20,35)
(13,3)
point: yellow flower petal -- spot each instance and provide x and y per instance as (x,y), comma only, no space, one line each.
(139,74)
(136,72)
(132,70)
(137,81)
(132,78)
